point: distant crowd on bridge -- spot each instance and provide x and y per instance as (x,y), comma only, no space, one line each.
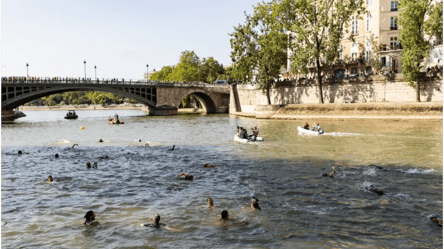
(15,79)
(69,80)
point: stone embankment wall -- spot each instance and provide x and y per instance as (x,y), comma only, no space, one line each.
(376,89)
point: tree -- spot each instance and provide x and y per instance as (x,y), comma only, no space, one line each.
(316,30)
(415,36)
(163,74)
(186,69)
(209,69)
(259,44)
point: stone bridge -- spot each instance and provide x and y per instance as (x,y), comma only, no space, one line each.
(160,98)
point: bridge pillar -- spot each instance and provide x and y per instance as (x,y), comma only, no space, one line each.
(163,110)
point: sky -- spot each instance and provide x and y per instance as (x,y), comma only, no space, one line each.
(55,37)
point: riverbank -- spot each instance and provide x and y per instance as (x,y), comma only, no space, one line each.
(426,110)
(82,107)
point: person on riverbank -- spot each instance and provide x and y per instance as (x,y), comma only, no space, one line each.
(90,217)
(157,224)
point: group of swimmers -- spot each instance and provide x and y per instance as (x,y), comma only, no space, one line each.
(223,220)
(242,133)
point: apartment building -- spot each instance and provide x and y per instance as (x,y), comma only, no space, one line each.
(376,34)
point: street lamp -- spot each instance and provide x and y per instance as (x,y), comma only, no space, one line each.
(95,69)
(84,63)
(27,72)
(147,72)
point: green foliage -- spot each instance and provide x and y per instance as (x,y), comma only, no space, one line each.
(186,69)
(80,97)
(317,28)
(210,69)
(259,44)
(415,35)
(163,74)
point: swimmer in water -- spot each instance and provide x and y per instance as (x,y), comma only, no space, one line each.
(433,218)
(331,174)
(173,147)
(95,165)
(157,224)
(147,144)
(56,155)
(210,203)
(90,216)
(187,177)
(88,165)
(374,189)
(255,205)
(208,166)
(20,152)
(100,141)
(50,179)
(223,220)
(104,157)
(73,146)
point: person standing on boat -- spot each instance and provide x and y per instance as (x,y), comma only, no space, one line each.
(255,132)
(319,129)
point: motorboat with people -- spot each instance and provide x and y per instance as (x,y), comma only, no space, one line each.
(246,140)
(303,131)
(115,120)
(243,137)
(71,115)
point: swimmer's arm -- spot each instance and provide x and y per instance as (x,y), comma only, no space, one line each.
(95,223)
(243,223)
(172,229)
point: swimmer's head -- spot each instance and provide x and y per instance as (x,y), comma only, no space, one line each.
(255,204)
(95,164)
(56,155)
(210,202)
(88,165)
(224,215)
(20,152)
(90,216)
(140,140)
(156,218)
(50,179)
(205,164)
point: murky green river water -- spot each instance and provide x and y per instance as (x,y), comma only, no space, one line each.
(300,207)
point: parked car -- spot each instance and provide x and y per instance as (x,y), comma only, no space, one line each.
(220,82)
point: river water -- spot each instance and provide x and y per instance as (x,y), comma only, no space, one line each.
(300,207)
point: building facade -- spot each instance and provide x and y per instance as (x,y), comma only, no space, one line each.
(376,34)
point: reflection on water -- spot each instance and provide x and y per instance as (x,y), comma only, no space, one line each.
(300,208)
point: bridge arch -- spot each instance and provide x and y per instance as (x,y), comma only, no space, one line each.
(207,102)
(24,93)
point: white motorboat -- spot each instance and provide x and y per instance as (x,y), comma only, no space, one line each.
(243,140)
(303,131)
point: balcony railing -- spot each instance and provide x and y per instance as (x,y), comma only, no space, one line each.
(393,27)
(394,9)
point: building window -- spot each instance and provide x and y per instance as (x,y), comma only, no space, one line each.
(394,6)
(369,70)
(393,23)
(394,66)
(354,70)
(369,22)
(394,44)
(354,56)
(368,55)
(354,25)
(368,50)
(341,52)
(383,61)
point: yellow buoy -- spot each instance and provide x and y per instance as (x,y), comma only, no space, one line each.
(82,128)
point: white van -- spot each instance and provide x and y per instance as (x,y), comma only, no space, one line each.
(220,82)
